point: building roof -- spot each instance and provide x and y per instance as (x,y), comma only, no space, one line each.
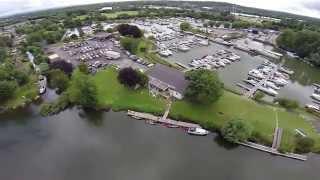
(170,76)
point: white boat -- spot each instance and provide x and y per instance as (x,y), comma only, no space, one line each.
(316,96)
(42,90)
(256,73)
(313,107)
(282,69)
(197,131)
(272,85)
(268,90)
(204,42)
(183,48)
(251,81)
(279,81)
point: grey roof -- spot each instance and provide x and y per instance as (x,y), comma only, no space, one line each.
(170,76)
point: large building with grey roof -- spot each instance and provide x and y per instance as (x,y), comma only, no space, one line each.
(167,81)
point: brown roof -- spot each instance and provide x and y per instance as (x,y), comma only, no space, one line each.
(170,76)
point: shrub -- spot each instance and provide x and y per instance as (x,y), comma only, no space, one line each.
(287,103)
(131,78)
(236,131)
(7,89)
(63,66)
(258,96)
(304,144)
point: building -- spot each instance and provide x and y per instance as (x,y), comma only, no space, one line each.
(107,8)
(167,81)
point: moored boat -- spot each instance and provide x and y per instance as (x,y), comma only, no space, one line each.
(197,131)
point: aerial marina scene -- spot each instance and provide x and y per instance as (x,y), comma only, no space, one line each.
(148,89)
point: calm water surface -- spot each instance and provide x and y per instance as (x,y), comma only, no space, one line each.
(107,145)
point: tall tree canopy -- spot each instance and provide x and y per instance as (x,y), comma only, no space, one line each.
(130,77)
(204,87)
(129,30)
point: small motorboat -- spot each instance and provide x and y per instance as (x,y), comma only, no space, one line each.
(197,131)
(42,90)
(151,122)
(316,96)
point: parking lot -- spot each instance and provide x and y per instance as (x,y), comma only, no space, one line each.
(97,54)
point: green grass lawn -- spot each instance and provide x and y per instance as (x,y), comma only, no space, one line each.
(112,94)
(114,15)
(262,117)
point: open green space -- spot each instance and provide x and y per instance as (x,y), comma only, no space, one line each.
(262,117)
(113,15)
(112,94)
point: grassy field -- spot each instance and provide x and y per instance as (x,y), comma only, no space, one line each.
(112,94)
(261,117)
(114,15)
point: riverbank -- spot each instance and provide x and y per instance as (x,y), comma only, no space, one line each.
(262,117)
(22,96)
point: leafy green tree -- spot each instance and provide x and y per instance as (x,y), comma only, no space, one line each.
(287,103)
(7,89)
(185,26)
(3,54)
(304,144)
(130,44)
(258,96)
(58,79)
(131,78)
(204,86)
(236,131)
(83,68)
(83,91)
(129,30)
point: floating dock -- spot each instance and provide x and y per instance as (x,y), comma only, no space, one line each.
(146,116)
(274,151)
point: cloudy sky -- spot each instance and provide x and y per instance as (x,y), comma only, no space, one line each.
(302,7)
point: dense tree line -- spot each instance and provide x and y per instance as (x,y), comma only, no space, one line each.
(305,43)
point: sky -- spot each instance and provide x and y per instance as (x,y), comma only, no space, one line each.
(301,7)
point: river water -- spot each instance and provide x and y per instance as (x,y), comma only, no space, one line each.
(299,88)
(74,145)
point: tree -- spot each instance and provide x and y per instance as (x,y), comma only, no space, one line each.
(304,144)
(287,103)
(131,78)
(129,30)
(63,66)
(204,86)
(258,96)
(21,77)
(83,68)
(236,131)
(7,88)
(83,91)
(130,44)
(3,54)
(58,79)
(185,26)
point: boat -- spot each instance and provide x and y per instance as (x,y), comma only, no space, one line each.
(251,81)
(272,85)
(197,131)
(313,107)
(282,69)
(151,122)
(268,90)
(279,81)
(256,73)
(316,96)
(183,48)
(42,90)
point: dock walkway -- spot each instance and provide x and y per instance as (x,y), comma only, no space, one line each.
(251,92)
(274,151)
(158,119)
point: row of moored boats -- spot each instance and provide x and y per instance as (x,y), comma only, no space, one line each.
(219,59)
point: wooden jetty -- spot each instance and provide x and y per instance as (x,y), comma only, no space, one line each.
(274,151)
(277,138)
(146,116)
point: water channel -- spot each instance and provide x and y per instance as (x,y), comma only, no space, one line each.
(75,145)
